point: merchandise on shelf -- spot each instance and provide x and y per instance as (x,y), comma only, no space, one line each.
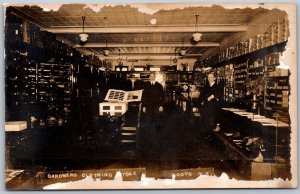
(275,34)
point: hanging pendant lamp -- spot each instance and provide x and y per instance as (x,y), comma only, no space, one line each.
(83,36)
(120,59)
(175,60)
(197,36)
(106,51)
(183,51)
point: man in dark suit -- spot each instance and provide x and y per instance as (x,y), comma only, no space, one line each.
(153,96)
(210,100)
(152,125)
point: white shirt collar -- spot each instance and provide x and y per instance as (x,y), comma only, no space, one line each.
(211,84)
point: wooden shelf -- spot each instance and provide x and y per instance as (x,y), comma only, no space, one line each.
(280,47)
(277,77)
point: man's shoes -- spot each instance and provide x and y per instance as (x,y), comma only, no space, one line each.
(217,128)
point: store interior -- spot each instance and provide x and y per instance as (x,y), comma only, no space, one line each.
(62,61)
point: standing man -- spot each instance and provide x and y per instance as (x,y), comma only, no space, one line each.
(153,97)
(152,125)
(210,100)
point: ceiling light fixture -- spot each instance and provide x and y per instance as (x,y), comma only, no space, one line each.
(153,21)
(197,36)
(120,59)
(83,36)
(175,60)
(183,51)
(106,51)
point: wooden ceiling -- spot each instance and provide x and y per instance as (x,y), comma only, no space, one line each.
(125,30)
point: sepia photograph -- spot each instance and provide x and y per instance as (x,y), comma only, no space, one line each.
(150,96)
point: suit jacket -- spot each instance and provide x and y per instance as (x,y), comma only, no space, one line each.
(153,95)
(215,90)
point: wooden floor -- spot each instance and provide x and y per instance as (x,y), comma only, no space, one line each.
(172,141)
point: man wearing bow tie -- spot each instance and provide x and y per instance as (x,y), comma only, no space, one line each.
(210,101)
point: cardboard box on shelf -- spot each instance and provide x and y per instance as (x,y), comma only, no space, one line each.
(284,72)
(15,125)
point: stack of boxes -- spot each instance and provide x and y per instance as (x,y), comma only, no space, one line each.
(240,75)
(229,97)
(277,82)
(269,36)
(276,33)
(282,30)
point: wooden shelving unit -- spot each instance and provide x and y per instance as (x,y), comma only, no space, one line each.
(256,69)
(54,90)
(39,74)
